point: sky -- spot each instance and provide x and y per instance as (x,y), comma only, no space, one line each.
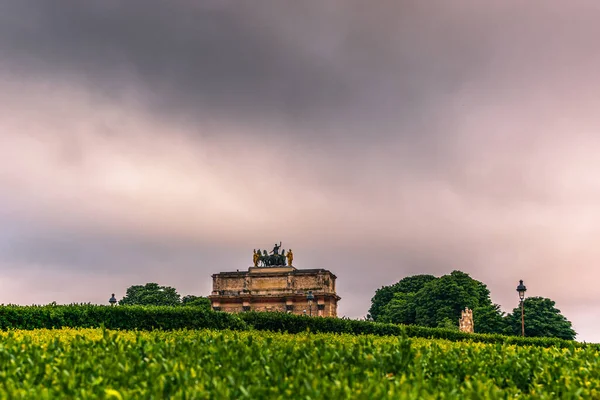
(152,141)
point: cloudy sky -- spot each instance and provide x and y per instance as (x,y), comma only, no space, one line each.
(161,141)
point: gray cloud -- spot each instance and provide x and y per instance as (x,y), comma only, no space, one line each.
(153,141)
(305,68)
(212,58)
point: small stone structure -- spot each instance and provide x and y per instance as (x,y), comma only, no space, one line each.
(281,288)
(465,323)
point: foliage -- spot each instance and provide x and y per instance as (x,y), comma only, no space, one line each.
(489,319)
(196,301)
(400,310)
(97,363)
(542,319)
(445,298)
(384,295)
(150,294)
(121,317)
(437,302)
(281,322)
(169,318)
(447,323)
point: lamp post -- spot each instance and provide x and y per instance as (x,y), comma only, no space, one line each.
(112,300)
(522,289)
(310,297)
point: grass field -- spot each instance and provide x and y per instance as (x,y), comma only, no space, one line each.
(204,364)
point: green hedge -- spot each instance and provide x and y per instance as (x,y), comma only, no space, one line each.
(280,322)
(126,317)
(295,323)
(169,318)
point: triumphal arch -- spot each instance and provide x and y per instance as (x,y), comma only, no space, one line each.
(272,283)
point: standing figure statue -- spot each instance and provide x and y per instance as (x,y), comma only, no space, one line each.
(259,257)
(255,258)
(290,257)
(276,249)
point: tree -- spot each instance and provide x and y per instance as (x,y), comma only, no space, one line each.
(151,294)
(400,310)
(445,298)
(437,302)
(490,319)
(385,294)
(196,301)
(542,319)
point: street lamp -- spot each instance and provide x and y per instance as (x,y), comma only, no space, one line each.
(310,297)
(112,300)
(522,289)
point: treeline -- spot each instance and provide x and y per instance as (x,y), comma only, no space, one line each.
(430,301)
(172,318)
(152,294)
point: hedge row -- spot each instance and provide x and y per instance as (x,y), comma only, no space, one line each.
(280,322)
(169,318)
(126,317)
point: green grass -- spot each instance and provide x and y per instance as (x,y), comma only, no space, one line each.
(206,364)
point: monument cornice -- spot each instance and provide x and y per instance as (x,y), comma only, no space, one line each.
(284,270)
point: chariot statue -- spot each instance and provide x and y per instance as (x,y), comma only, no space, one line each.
(272,259)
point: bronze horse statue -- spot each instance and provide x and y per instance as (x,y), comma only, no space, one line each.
(264,259)
(272,260)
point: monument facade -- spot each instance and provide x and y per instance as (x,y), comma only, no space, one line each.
(274,284)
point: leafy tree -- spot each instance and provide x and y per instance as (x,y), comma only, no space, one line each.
(445,298)
(400,310)
(196,301)
(490,319)
(385,294)
(542,319)
(437,302)
(151,294)
(474,288)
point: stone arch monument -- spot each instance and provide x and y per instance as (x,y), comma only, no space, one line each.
(273,284)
